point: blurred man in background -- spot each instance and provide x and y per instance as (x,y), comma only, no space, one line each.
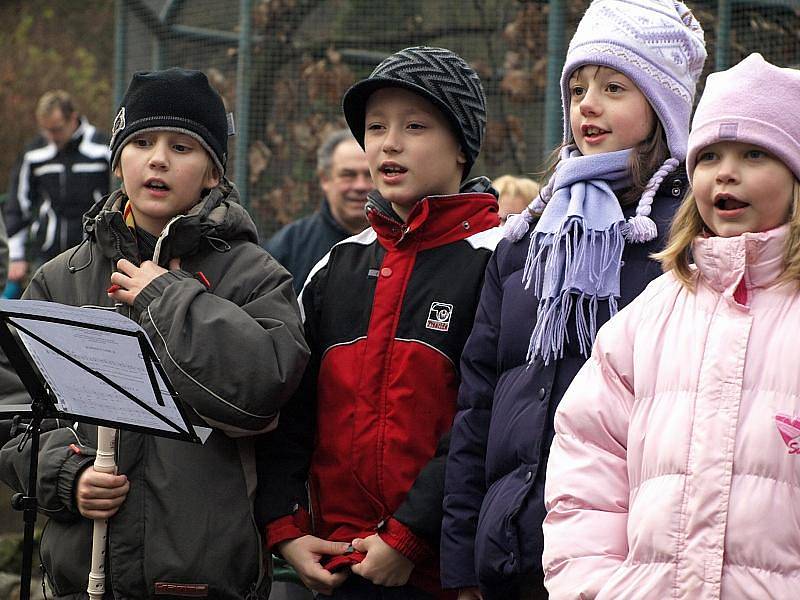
(58,177)
(344,178)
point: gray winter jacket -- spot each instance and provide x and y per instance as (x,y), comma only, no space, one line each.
(234,352)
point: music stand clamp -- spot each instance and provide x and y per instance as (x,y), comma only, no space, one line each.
(43,403)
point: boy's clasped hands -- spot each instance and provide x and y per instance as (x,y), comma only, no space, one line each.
(382,565)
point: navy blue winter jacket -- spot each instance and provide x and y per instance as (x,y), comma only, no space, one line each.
(494,488)
(300,245)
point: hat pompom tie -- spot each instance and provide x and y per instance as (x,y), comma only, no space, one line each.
(517,225)
(640,229)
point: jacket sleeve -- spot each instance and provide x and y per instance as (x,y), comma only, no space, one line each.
(283,456)
(236,366)
(465,480)
(17,208)
(415,528)
(586,488)
(65,449)
(64,453)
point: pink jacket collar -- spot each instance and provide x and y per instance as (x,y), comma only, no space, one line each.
(754,258)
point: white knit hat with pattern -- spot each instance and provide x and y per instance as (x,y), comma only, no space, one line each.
(658,44)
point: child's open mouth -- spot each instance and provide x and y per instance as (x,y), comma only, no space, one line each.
(728,203)
(593,133)
(156,185)
(392,171)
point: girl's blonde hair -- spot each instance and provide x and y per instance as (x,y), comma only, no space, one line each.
(516,186)
(688,224)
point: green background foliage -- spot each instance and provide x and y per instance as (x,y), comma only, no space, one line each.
(47,45)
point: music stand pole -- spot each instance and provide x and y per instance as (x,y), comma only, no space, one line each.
(28,503)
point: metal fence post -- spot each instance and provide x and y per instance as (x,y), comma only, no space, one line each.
(556,23)
(120,51)
(723,51)
(157,57)
(243,100)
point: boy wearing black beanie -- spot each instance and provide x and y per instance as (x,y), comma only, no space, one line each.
(173,250)
(387,313)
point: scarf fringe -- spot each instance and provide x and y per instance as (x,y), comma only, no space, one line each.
(554,263)
(551,331)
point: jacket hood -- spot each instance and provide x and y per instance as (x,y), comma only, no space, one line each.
(217,219)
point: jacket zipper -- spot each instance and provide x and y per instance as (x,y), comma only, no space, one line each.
(403,228)
(163,236)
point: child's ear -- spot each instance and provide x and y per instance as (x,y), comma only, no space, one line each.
(118,175)
(212,177)
(462,158)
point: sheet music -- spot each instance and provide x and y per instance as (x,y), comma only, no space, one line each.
(117,356)
(91,316)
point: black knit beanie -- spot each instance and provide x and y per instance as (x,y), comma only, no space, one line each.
(175,100)
(438,75)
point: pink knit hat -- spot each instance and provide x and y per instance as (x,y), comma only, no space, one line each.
(753,102)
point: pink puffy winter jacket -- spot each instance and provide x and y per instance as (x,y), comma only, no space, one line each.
(675,470)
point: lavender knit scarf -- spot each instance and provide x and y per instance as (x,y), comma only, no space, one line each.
(575,252)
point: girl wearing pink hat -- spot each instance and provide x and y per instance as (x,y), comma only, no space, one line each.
(675,469)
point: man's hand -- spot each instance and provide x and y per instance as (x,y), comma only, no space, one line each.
(383,564)
(304,555)
(99,495)
(17,269)
(471,593)
(129,280)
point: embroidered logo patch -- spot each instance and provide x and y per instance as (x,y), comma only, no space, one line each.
(789,428)
(439,316)
(728,131)
(119,125)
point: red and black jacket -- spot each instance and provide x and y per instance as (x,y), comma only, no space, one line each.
(387,314)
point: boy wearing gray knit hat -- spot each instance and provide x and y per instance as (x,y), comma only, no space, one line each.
(387,314)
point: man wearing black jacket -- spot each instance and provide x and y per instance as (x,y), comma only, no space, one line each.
(58,177)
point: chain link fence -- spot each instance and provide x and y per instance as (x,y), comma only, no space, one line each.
(283,65)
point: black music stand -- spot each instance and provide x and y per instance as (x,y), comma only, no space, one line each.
(26,350)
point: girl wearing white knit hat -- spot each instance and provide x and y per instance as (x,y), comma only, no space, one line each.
(628,85)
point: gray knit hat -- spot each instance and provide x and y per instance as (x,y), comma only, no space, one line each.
(436,74)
